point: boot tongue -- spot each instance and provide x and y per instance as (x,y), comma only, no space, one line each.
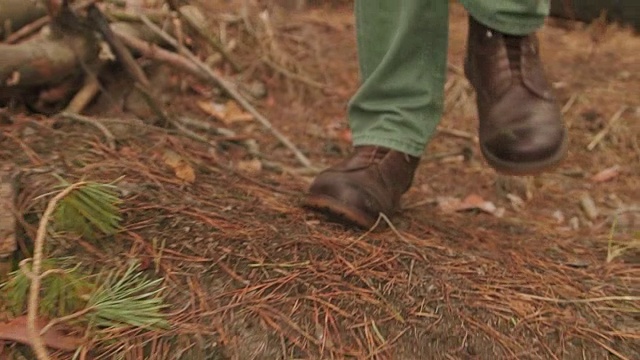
(364,156)
(378,153)
(368,154)
(524,62)
(374,154)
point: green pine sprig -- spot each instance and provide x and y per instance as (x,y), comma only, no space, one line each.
(88,210)
(63,292)
(128,299)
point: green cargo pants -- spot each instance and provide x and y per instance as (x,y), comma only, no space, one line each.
(402,48)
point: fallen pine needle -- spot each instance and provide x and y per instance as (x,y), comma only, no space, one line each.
(581,301)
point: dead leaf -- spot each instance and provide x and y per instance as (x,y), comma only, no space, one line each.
(558,215)
(235,114)
(471,202)
(606,174)
(201,89)
(171,158)
(186,173)
(228,113)
(16,330)
(516,201)
(250,166)
(215,110)
(180,166)
(589,206)
(449,204)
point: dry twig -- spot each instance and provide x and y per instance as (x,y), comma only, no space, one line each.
(83,97)
(231,90)
(612,122)
(186,13)
(39,23)
(36,277)
(111,140)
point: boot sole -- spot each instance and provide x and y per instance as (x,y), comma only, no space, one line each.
(339,211)
(529,168)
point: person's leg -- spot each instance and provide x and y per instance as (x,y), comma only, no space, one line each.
(521,127)
(402,48)
(513,17)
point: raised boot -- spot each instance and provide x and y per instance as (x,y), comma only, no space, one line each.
(521,126)
(369,182)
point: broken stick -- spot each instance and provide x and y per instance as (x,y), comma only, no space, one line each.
(601,135)
(230,89)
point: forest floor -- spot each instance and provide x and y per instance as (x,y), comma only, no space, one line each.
(523,273)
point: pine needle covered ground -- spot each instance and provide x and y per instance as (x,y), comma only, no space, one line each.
(213,228)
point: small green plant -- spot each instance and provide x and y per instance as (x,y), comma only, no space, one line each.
(62,290)
(114,300)
(128,299)
(616,250)
(58,289)
(88,210)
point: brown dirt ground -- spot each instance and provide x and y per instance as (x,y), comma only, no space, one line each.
(252,275)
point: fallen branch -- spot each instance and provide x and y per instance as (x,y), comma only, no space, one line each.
(303,79)
(230,89)
(153,51)
(42,61)
(68,51)
(27,30)
(99,22)
(14,14)
(229,135)
(89,90)
(189,14)
(567,106)
(37,24)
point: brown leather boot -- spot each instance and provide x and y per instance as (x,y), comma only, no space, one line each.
(521,126)
(361,187)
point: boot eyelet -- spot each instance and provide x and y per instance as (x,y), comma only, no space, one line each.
(489,34)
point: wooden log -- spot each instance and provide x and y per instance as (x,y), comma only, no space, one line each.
(15,14)
(42,61)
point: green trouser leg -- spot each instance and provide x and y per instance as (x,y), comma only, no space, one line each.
(513,17)
(402,48)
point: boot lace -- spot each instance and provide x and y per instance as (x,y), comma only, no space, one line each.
(514,53)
